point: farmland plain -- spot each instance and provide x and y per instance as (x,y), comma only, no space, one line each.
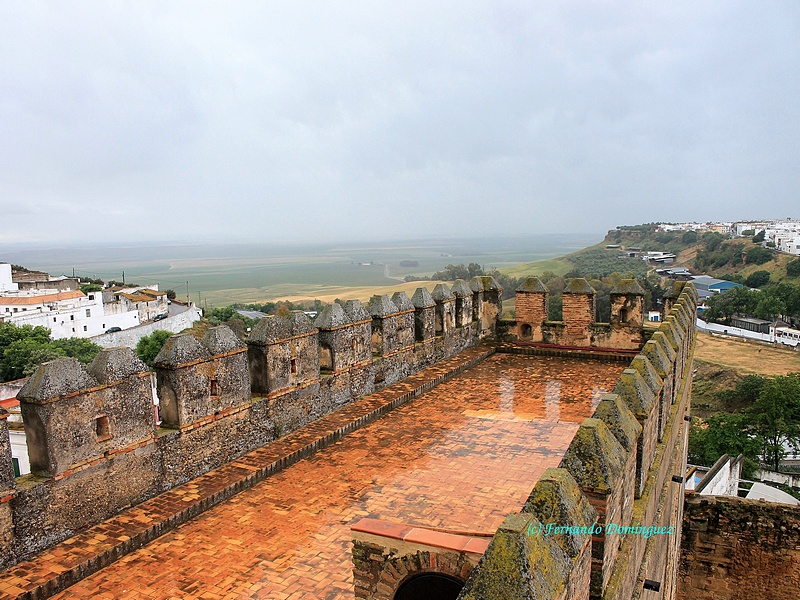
(218,274)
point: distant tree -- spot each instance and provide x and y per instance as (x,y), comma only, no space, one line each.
(149,346)
(776,418)
(758,255)
(725,433)
(769,307)
(409,263)
(750,232)
(793,268)
(81,348)
(171,295)
(87,288)
(712,239)
(689,237)
(759,237)
(757,279)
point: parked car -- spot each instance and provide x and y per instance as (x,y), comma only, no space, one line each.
(160,317)
(113,329)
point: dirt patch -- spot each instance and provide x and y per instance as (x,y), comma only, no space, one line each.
(720,362)
(709,379)
(745,356)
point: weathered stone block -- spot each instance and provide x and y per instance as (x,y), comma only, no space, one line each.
(72,416)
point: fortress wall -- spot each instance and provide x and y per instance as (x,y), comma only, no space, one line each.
(734,548)
(94,443)
(578,326)
(627,463)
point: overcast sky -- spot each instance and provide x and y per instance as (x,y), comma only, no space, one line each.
(298,121)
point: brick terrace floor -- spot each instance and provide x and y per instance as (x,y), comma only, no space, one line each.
(459,457)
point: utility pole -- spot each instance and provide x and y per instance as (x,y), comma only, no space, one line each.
(123,278)
(187,292)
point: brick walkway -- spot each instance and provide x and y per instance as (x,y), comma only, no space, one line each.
(459,458)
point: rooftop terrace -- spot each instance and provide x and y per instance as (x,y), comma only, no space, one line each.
(459,457)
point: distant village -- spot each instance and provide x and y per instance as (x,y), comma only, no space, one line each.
(782,235)
(58,304)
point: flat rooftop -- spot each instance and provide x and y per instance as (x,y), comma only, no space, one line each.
(459,457)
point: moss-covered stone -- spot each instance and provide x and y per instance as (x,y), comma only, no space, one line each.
(441,293)
(636,393)
(670,334)
(54,379)
(666,347)
(642,365)
(422,298)
(519,566)
(532,285)
(331,317)
(627,287)
(614,412)
(115,364)
(557,499)
(594,458)
(579,285)
(655,354)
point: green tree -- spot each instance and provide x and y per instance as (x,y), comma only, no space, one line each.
(88,288)
(769,307)
(81,348)
(759,237)
(793,268)
(776,418)
(758,255)
(725,433)
(757,279)
(689,238)
(171,295)
(712,239)
(149,346)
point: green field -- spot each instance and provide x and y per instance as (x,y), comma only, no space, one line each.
(221,274)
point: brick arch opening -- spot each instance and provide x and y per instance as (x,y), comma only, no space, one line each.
(526,331)
(623,315)
(429,586)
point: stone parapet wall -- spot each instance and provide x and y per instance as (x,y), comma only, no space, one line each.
(626,463)
(578,326)
(735,549)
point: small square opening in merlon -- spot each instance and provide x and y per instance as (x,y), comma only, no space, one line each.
(293,364)
(101,428)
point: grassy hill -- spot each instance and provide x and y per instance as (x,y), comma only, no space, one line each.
(710,253)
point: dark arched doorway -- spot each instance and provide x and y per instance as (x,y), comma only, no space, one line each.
(430,586)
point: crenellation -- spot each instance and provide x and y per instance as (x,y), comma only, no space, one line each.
(405,320)
(640,399)
(338,337)
(445,310)
(463,306)
(531,309)
(487,303)
(73,429)
(385,319)
(208,384)
(283,353)
(424,315)
(597,461)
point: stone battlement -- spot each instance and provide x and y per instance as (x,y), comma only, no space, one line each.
(95,443)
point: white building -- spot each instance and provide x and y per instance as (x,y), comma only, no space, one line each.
(65,314)
(6,283)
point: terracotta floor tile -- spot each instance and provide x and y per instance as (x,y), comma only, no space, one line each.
(459,457)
